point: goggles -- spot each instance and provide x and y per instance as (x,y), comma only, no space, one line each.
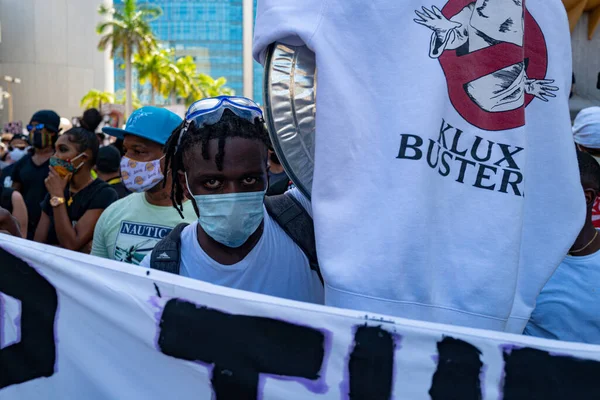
(209,111)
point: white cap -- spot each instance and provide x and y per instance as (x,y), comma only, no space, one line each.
(65,125)
(586,129)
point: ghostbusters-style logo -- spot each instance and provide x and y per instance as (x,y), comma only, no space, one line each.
(494,56)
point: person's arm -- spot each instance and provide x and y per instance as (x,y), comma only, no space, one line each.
(41,232)
(74,237)
(16,176)
(99,248)
(80,236)
(69,237)
(20,212)
(9,224)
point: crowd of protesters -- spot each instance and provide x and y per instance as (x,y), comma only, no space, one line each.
(200,197)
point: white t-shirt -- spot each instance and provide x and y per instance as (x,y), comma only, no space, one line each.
(276,266)
(446,186)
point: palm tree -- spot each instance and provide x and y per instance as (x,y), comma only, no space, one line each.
(180,79)
(121,98)
(128,31)
(95,98)
(209,87)
(154,67)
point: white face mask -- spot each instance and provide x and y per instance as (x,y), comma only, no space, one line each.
(17,154)
(139,176)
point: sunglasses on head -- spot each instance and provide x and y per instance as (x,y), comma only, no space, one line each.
(37,127)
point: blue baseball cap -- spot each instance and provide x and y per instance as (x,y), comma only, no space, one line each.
(152,123)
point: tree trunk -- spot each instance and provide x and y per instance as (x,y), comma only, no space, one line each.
(173,97)
(128,79)
(152,95)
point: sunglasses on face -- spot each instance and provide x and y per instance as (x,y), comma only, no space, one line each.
(37,127)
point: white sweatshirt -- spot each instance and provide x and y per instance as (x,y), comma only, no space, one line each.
(446,185)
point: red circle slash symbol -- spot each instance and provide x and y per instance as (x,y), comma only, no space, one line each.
(462,69)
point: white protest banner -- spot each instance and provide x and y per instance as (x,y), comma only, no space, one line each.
(79,327)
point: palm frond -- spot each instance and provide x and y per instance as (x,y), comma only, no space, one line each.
(150,12)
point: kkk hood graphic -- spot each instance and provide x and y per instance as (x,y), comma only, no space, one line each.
(494,56)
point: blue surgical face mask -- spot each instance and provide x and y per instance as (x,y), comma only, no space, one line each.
(232,218)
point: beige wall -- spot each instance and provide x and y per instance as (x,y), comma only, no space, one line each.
(586,61)
(51,46)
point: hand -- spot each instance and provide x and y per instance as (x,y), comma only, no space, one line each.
(436,21)
(55,184)
(540,88)
(9,224)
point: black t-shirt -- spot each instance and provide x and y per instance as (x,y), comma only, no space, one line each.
(98,195)
(7,173)
(278,183)
(6,198)
(119,187)
(31,177)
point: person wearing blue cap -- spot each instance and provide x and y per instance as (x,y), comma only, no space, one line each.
(128,230)
(29,173)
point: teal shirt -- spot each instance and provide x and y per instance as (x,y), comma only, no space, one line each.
(129,229)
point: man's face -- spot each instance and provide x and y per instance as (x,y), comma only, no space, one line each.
(18,144)
(244,168)
(140,149)
(46,135)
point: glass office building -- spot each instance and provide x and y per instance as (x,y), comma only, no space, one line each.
(208,30)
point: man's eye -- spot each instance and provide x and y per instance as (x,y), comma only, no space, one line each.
(212,184)
(250,181)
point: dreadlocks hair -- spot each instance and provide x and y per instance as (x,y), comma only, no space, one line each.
(188,135)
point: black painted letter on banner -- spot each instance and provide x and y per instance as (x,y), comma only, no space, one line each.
(371,364)
(240,347)
(458,372)
(34,355)
(537,374)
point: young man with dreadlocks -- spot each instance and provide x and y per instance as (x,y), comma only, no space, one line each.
(219,157)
